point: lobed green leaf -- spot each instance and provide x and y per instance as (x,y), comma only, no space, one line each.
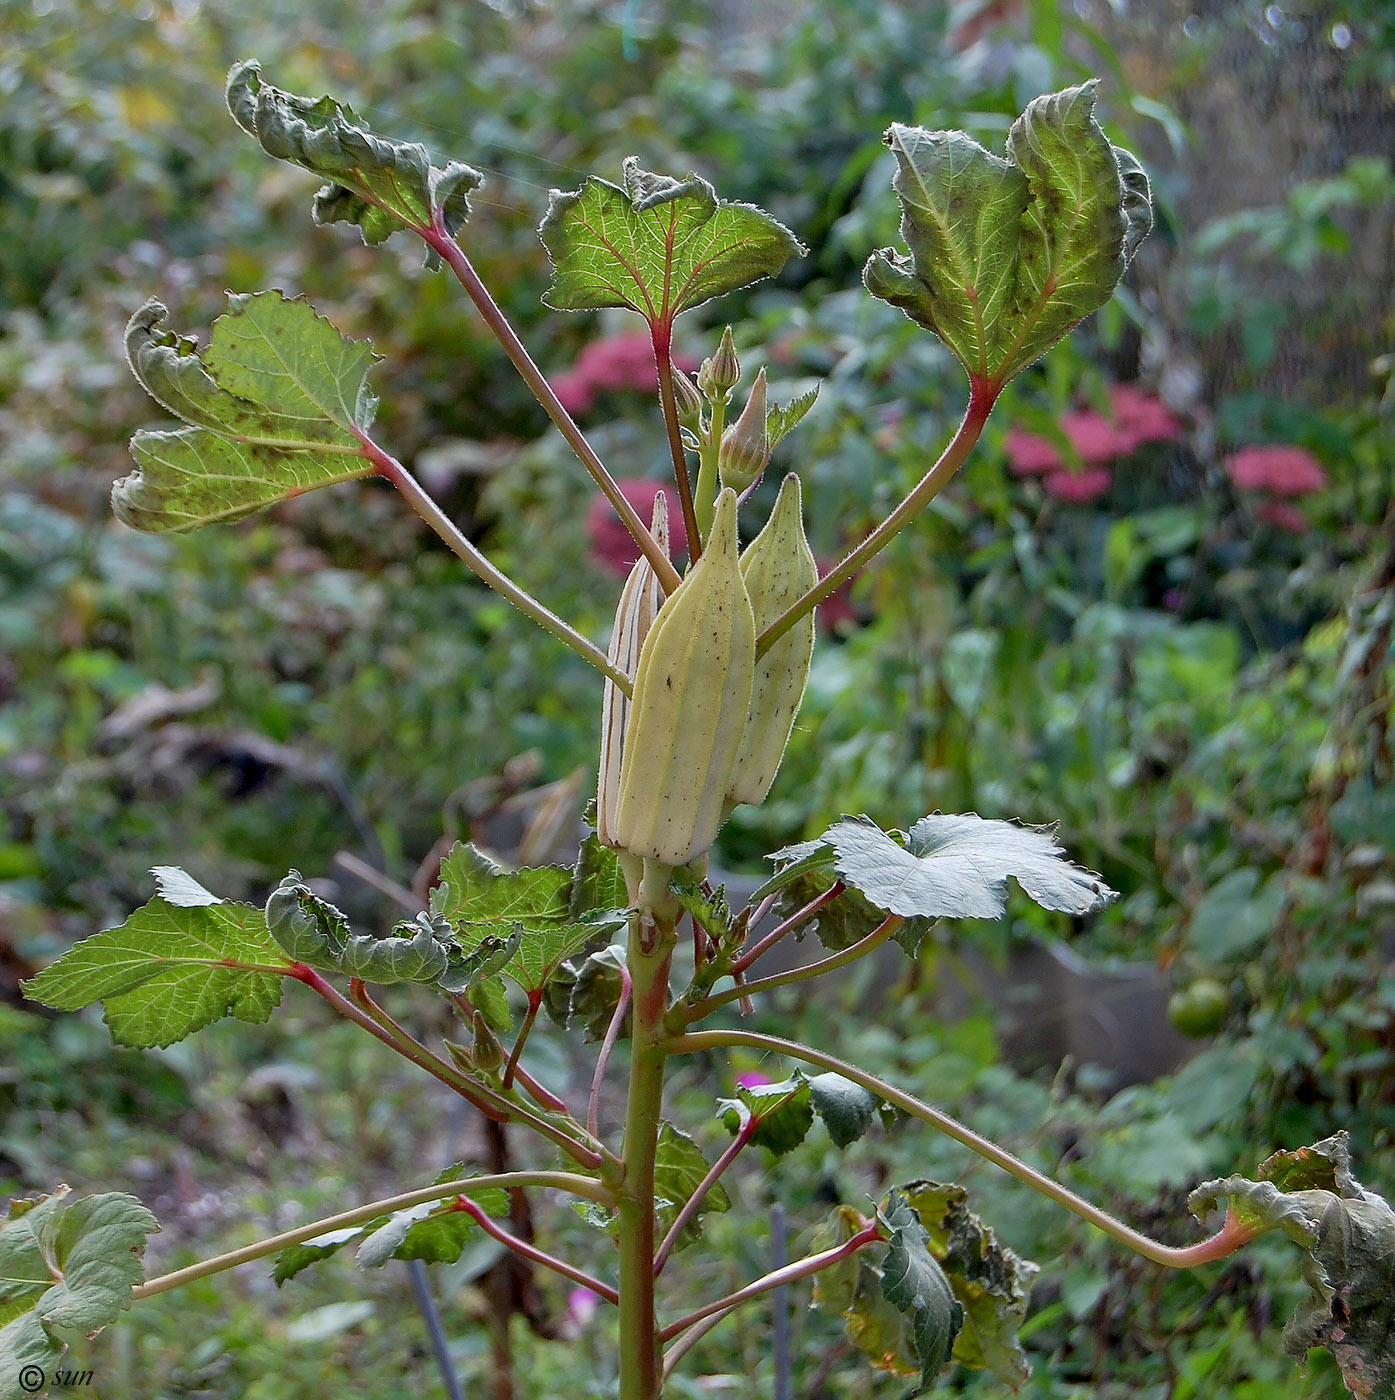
(658,246)
(783,1112)
(65,1267)
(170,970)
(274,406)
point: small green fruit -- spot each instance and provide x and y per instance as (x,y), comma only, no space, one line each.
(1200,1009)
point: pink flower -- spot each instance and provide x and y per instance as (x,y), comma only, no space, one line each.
(582,1305)
(752,1079)
(1283,515)
(620,362)
(1094,437)
(1142,417)
(1077,487)
(1286,471)
(611,543)
(1029,455)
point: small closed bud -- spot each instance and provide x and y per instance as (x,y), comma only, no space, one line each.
(746,444)
(718,376)
(690,402)
(486,1052)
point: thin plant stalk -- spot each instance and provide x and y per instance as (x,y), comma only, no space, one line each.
(612,1034)
(1231,1236)
(533,1254)
(533,377)
(693,1204)
(529,1020)
(420,501)
(661,333)
(850,954)
(800,916)
(982,395)
(584,1186)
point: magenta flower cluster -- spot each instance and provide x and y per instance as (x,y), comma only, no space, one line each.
(1137,417)
(619,362)
(1282,471)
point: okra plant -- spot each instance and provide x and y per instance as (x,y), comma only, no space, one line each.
(699,689)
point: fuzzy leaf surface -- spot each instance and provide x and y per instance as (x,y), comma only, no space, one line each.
(847,1109)
(1007,255)
(1348,1239)
(169,971)
(958,867)
(783,418)
(380,184)
(659,246)
(272,407)
(71,1266)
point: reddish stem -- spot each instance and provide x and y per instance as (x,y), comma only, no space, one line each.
(694,1202)
(612,1034)
(793,922)
(661,332)
(533,1253)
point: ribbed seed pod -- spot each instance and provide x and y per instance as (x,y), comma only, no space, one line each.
(692,695)
(778,567)
(640,601)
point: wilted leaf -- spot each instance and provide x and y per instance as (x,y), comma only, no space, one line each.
(169,971)
(379,184)
(1348,1236)
(659,246)
(914,1283)
(600,982)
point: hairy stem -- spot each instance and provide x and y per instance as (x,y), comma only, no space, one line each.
(777,1278)
(529,1019)
(694,1202)
(531,1252)
(981,398)
(1226,1242)
(582,1186)
(534,378)
(651,942)
(612,1034)
(661,332)
(491,1104)
(408,486)
(851,954)
(708,476)
(800,916)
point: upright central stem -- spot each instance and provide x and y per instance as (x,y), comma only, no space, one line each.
(652,938)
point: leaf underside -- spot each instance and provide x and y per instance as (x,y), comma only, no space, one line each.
(658,246)
(380,184)
(1007,255)
(273,409)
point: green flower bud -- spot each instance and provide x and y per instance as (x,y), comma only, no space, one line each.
(690,403)
(718,376)
(746,444)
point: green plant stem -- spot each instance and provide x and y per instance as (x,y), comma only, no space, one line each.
(490,1103)
(1226,1242)
(777,1278)
(708,475)
(982,395)
(788,926)
(661,333)
(693,1204)
(531,1252)
(529,1019)
(612,1034)
(536,381)
(851,954)
(583,1186)
(408,486)
(653,934)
